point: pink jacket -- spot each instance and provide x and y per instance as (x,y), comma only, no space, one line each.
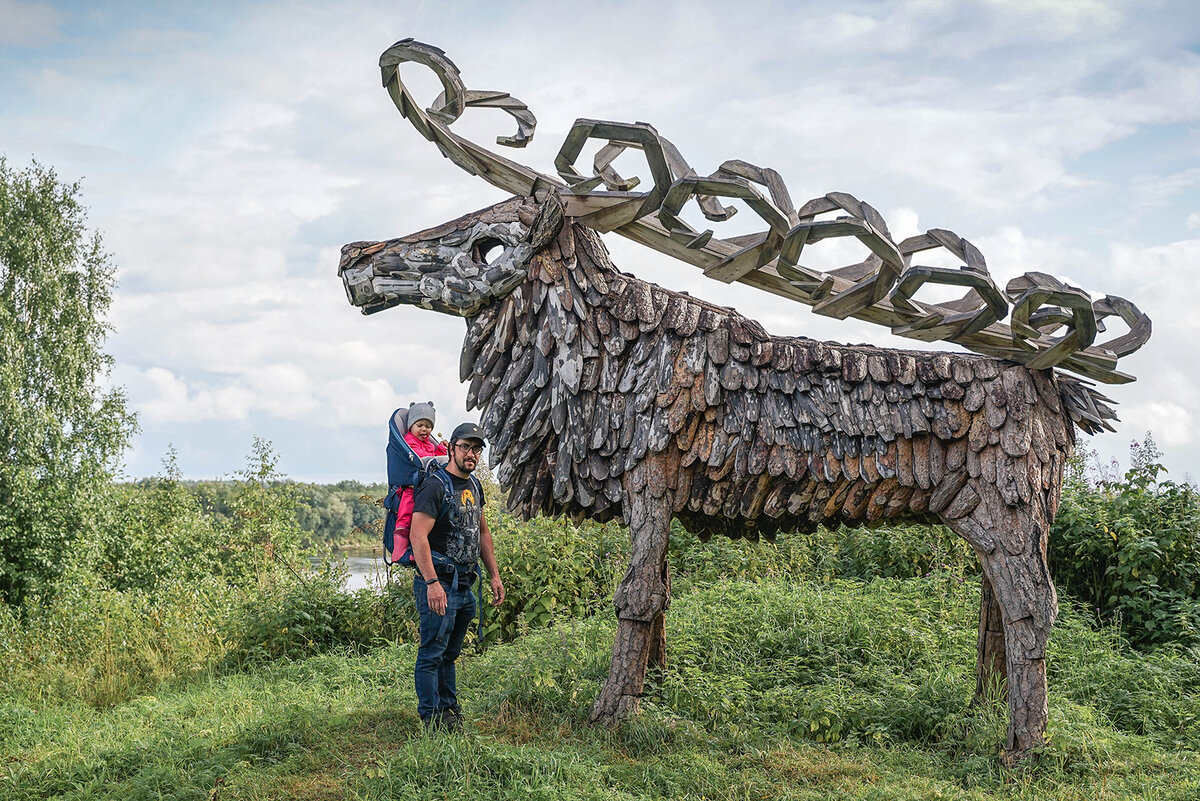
(421,447)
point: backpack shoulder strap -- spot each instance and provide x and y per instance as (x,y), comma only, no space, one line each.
(439,473)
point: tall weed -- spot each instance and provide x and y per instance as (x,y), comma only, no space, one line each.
(95,645)
(1155,694)
(155,533)
(878,662)
(304,616)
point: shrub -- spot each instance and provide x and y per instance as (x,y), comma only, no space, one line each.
(156,533)
(1130,551)
(556,671)
(901,551)
(263,536)
(551,569)
(905,550)
(882,661)
(1155,695)
(293,619)
(693,562)
(303,616)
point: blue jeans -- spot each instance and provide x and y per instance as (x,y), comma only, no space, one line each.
(441,642)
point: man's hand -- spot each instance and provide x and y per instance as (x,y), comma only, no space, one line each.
(497,591)
(436,597)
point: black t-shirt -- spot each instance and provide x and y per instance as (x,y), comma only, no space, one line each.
(456,535)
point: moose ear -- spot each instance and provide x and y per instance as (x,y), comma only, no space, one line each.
(548,222)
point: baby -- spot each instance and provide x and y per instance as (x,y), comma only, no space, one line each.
(420,426)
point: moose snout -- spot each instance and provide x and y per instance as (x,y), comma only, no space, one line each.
(356,268)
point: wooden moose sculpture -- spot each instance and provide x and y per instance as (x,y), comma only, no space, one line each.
(605,396)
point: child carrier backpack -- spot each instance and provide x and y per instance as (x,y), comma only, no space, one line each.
(405,471)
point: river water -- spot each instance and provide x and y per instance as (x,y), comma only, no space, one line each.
(365,568)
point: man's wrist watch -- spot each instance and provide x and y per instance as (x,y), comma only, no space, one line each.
(431,581)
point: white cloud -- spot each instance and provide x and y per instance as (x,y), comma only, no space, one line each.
(1060,19)
(845,26)
(28,23)
(1010,252)
(160,396)
(1163,276)
(1160,190)
(1173,425)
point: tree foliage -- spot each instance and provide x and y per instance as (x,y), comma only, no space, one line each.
(157,532)
(61,429)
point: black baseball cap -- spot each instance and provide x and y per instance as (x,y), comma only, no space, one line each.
(467,431)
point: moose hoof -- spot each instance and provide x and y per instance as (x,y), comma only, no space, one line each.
(610,714)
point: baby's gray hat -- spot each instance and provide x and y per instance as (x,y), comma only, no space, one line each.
(421,411)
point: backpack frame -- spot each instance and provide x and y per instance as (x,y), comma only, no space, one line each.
(404,470)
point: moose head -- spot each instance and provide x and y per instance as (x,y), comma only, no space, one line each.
(456,268)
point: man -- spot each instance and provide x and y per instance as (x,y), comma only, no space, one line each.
(447,541)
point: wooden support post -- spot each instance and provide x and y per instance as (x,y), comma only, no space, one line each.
(640,601)
(1011,543)
(991,667)
(656,662)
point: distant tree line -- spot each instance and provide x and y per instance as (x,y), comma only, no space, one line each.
(345,513)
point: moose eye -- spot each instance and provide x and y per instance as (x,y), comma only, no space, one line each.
(485,249)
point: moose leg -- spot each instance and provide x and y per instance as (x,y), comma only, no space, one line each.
(657,659)
(640,600)
(991,667)
(1011,543)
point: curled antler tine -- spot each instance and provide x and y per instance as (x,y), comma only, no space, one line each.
(818,205)
(602,164)
(764,176)
(875,219)
(410,50)
(638,135)
(433,123)
(526,122)
(710,207)
(1139,324)
(1044,306)
(847,203)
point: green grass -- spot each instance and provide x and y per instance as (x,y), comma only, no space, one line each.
(775,690)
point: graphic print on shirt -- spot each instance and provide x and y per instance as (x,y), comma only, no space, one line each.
(465,513)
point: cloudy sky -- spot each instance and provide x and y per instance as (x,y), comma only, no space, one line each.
(228,149)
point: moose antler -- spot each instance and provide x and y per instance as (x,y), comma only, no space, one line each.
(1052,324)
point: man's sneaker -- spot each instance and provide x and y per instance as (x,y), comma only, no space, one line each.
(453,720)
(434,724)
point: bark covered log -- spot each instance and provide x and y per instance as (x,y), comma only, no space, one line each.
(640,600)
(991,666)
(1011,542)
